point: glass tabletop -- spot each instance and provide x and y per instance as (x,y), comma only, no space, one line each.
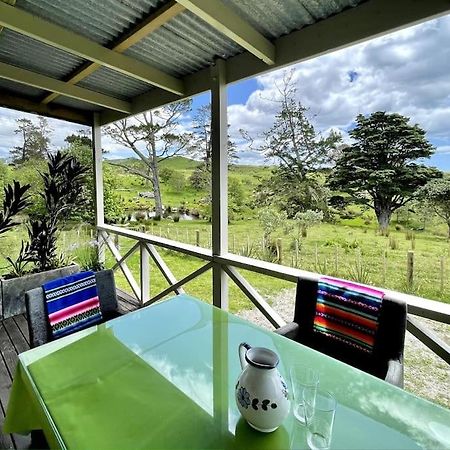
(164,377)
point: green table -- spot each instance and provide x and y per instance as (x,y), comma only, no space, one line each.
(164,377)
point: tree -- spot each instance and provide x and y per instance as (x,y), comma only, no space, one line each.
(306,220)
(202,147)
(299,151)
(154,137)
(436,193)
(379,169)
(293,141)
(111,199)
(35,140)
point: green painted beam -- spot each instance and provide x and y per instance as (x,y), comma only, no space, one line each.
(40,81)
(64,39)
(368,20)
(225,20)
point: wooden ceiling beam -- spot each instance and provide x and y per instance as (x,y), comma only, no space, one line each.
(69,41)
(225,20)
(19,103)
(137,33)
(40,81)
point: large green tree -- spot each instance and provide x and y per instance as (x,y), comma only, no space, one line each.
(380,168)
(154,137)
(300,152)
(436,194)
(35,139)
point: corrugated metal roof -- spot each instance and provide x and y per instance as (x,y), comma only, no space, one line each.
(180,47)
(30,54)
(183,45)
(113,83)
(101,21)
(274,18)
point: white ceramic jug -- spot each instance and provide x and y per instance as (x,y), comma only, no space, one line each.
(261,393)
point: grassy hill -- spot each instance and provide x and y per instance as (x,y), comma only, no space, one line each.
(178,190)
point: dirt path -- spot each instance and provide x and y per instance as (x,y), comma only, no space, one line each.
(426,375)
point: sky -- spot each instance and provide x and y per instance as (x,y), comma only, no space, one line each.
(407,72)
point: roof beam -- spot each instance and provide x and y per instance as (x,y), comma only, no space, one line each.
(40,81)
(366,21)
(138,32)
(225,20)
(19,103)
(64,39)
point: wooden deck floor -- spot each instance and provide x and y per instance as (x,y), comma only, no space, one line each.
(14,339)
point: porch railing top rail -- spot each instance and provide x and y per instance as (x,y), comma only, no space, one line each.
(419,306)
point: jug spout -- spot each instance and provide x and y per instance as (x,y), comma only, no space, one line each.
(243,348)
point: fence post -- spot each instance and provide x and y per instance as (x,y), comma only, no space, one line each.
(145,274)
(336,260)
(384,266)
(316,257)
(410,270)
(279,250)
(296,252)
(413,241)
(116,241)
(197,238)
(442,275)
(234,244)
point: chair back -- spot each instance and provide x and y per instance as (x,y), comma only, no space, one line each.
(36,311)
(389,337)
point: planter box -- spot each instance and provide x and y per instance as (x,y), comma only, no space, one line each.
(12,291)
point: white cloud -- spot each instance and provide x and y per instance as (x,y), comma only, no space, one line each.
(405,72)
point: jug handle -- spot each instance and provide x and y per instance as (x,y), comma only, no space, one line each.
(243,347)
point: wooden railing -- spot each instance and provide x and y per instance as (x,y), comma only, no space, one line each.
(230,263)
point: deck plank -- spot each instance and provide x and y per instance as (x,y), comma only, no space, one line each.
(22,323)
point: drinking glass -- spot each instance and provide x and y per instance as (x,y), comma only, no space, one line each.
(302,377)
(320,408)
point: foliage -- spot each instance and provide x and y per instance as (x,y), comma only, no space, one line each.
(200,178)
(436,193)
(35,140)
(159,131)
(15,201)
(87,256)
(111,200)
(166,174)
(300,151)
(379,169)
(293,141)
(63,185)
(307,219)
(201,146)
(270,219)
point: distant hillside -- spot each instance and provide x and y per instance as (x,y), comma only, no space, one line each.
(175,163)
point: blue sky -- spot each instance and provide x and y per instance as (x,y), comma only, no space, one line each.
(405,72)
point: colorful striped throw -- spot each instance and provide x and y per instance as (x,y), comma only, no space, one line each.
(348,312)
(72,303)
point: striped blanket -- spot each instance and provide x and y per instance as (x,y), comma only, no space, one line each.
(348,312)
(72,303)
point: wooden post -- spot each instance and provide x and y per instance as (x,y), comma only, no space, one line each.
(296,252)
(145,274)
(197,238)
(413,241)
(98,183)
(279,250)
(316,257)
(384,272)
(336,259)
(410,270)
(442,275)
(219,179)
(116,241)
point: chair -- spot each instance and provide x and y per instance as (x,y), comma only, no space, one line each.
(386,359)
(38,324)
